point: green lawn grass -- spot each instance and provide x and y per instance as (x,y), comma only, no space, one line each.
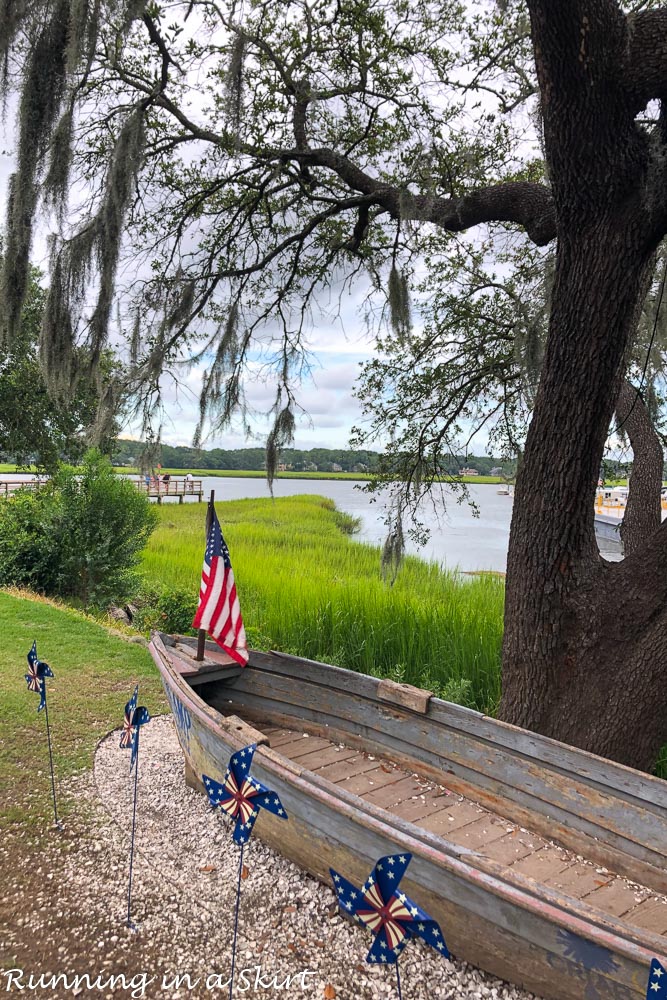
(94,675)
(306,587)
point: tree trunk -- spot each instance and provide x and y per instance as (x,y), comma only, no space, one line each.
(643,512)
(585,645)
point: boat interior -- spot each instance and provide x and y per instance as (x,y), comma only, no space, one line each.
(583,829)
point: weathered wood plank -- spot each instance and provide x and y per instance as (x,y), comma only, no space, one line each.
(542,864)
(590,768)
(331,754)
(347,768)
(404,695)
(578,880)
(482,833)
(615,897)
(566,811)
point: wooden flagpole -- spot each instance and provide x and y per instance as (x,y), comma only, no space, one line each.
(201,635)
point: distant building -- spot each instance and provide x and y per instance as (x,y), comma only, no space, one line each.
(468,472)
(335,467)
(496,471)
(360,467)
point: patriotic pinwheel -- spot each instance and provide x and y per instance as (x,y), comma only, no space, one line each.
(129,739)
(657,981)
(389,913)
(36,680)
(134,717)
(37,671)
(241,796)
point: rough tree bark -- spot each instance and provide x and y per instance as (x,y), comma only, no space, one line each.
(643,512)
(585,646)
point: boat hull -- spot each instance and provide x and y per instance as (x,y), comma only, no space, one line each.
(514,928)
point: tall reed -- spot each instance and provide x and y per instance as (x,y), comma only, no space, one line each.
(306,587)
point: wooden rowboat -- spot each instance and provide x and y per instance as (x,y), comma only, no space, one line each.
(543,864)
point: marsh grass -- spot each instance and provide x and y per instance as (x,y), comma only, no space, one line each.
(306,587)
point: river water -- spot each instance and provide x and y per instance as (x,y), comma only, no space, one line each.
(459,539)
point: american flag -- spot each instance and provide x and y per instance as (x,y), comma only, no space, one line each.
(134,717)
(657,982)
(219,611)
(37,671)
(392,917)
(241,796)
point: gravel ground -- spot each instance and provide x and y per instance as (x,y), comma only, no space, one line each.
(185,875)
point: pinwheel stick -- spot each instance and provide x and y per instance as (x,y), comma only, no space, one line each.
(398,982)
(134,824)
(236,921)
(53,780)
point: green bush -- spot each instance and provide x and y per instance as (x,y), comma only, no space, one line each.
(167,610)
(79,536)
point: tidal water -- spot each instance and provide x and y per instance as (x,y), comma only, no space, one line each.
(459,538)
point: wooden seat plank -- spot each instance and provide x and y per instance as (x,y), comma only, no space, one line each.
(303,746)
(578,880)
(389,795)
(617,897)
(512,847)
(543,863)
(347,769)
(326,755)
(414,809)
(651,915)
(481,833)
(369,780)
(448,819)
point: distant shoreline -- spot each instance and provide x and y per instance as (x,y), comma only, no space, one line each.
(260,474)
(361,477)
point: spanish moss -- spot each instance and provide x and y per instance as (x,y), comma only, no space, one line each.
(281,435)
(121,176)
(56,182)
(234,82)
(221,384)
(43,87)
(399,305)
(393,549)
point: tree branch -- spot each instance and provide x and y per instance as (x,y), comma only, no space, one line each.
(646,72)
(643,512)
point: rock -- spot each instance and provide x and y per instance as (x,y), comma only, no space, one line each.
(119,615)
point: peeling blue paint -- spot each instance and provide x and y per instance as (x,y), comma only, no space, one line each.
(593,957)
(181,718)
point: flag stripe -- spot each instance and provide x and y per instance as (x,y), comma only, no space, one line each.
(218,610)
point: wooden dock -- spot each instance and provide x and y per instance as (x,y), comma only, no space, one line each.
(154,488)
(157,489)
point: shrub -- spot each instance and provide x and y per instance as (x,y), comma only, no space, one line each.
(79,536)
(167,610)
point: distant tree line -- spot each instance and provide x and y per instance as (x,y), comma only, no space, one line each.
(132,453)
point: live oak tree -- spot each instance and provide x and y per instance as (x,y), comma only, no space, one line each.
(252,155)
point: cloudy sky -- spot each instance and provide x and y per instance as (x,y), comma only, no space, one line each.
(338,348)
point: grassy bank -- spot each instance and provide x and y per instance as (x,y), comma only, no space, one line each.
(306,587)
(95,673)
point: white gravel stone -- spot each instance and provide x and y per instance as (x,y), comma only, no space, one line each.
(184,887)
